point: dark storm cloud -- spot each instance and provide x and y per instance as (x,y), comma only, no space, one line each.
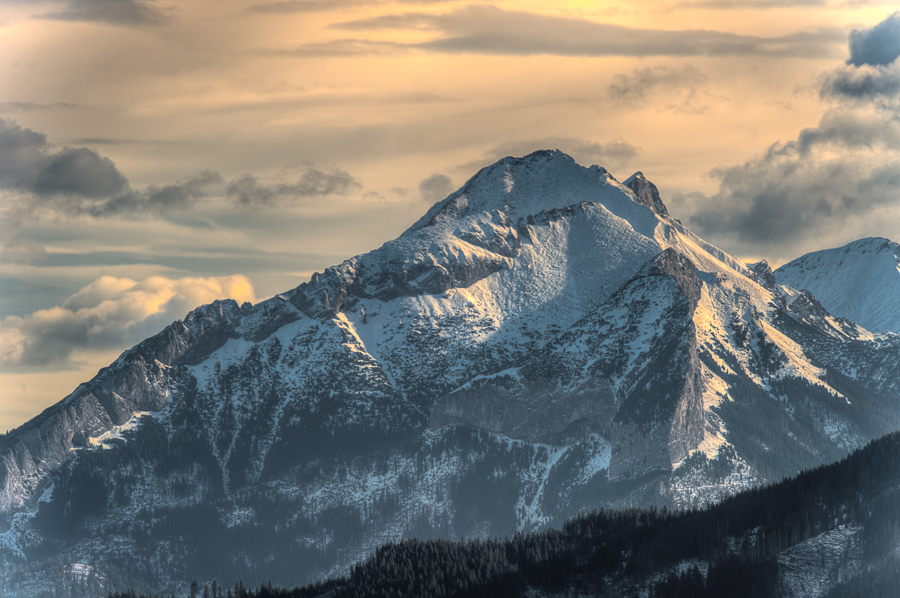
(113,12)
(435,188)
(879,45)
(490,30)
(248,192)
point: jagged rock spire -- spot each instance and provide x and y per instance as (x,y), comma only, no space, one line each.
(646,193)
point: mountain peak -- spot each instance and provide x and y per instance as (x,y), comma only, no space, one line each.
(541,181)
(871,245)
(859,281)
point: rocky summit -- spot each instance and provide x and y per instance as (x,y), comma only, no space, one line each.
(544,341)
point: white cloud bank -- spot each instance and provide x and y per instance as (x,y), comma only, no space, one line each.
(109,313)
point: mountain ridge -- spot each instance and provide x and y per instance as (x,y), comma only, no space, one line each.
(869,271)
(487,372)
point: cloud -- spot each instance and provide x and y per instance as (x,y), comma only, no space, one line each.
(845,129)
(246,191)
(490,30)
(107,314)
(28,164)
(297,6)
(610,155)
(864,82)
(39,180)
(112,12)
(79,171)
(341,47)
(873,72)
(435,188)
(679,86)
(79,181)
(878,45)
(159,200)
(839,179)
(834,179)
(122,141)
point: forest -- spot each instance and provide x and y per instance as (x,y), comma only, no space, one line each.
(729,549)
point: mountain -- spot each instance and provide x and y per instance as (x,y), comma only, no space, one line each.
(859,281)
(543,341)
(833,531)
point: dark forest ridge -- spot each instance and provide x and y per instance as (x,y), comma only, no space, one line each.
(831,531)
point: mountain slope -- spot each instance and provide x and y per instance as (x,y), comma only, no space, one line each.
(543,341)
(859,281)
(831,531)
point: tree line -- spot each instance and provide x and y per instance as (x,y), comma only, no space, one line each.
(737,541)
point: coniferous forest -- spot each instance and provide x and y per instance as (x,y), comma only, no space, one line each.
(729,550)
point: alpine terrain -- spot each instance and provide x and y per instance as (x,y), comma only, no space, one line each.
(543,341)
(859,281)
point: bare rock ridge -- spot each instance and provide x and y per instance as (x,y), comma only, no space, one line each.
(139,381)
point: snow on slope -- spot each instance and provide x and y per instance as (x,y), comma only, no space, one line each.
(859,281)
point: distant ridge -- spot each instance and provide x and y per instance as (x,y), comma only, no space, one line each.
(859,281)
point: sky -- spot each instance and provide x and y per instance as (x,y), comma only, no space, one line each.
(155,156)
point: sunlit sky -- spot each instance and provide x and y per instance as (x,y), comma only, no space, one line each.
(155,155)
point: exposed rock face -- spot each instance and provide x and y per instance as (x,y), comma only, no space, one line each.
(646,193)
(135,383)
(543,341)
(464,259)
(764,274)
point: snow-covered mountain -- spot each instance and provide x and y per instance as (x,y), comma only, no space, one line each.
(859,281)
(543,341)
